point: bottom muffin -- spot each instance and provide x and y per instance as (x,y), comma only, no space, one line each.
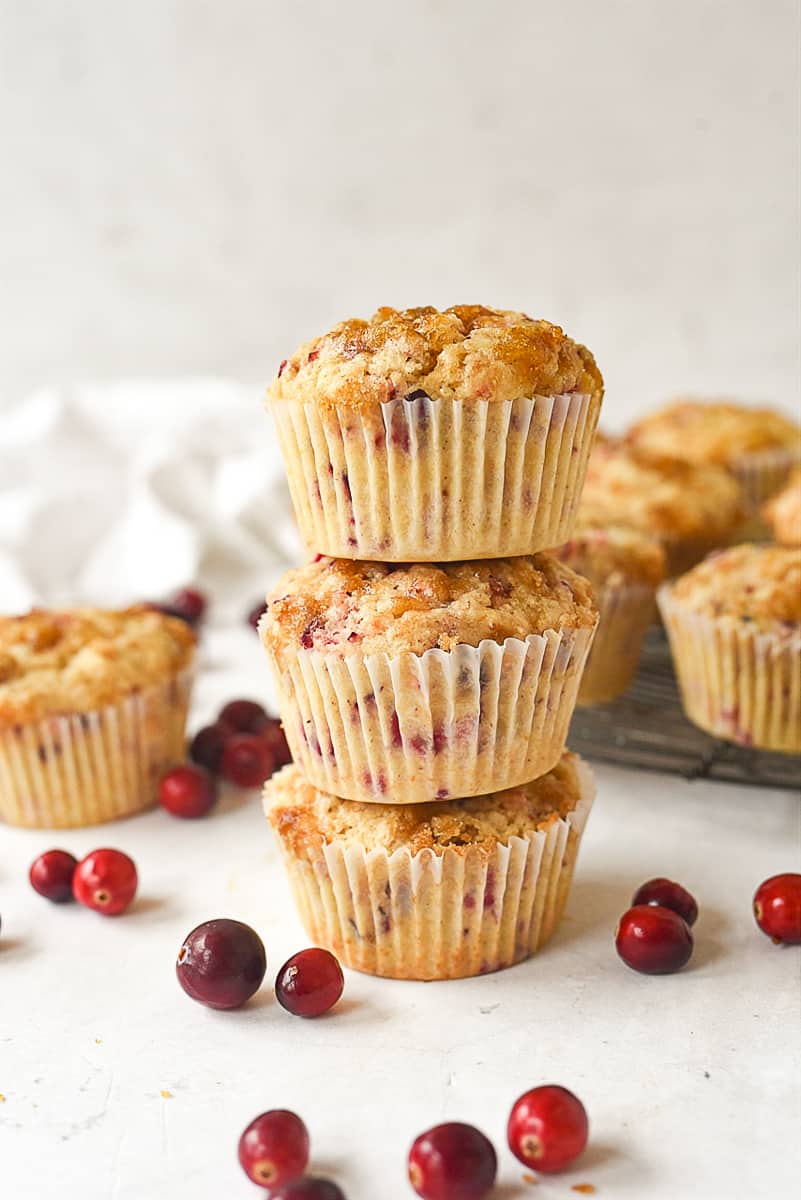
(432,891)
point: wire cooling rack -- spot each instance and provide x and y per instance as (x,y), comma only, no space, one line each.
(647,728)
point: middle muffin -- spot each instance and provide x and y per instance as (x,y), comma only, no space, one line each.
(404,683)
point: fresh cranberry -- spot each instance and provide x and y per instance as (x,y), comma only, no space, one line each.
(274,1149)
(255,615)
(653,939)
(246,760)
(309,983)
(106,881)
(777,908)
(310,1188)
(51,875)
(221,963)
(669,895)
(452,1162)
(243,716)
(188,604)
(273,734)
(187,792)
(206,747)
(547,1128)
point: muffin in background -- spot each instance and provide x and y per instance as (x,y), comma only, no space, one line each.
(734,624)
(758,445)
(691,508)
(399,684)
(782,514)
(427,436)
(625,568)
(434,891)
(93,707)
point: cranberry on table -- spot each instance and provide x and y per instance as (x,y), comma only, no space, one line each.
(206,747)
(273,734)
(106,881)
(653,939)
(777,908)
(246,760)
(256,613)
(669,895)
(188,603)
(309,983)
(452,1162)
(51,875)
(243,716)
(309,1188)
(187,791)
(274,1149)
(221,963)
(548,1128)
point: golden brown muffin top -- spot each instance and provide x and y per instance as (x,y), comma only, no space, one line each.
(343,607)
(665,497)
(80,659)
(759,584)
(611,555)
(714,431)
(783,512)
(468,352)
(306,819)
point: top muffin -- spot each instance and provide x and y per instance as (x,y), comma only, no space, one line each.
(467,352)
(345,606)
(759,584)
(78,660)
(714,431)
(783,512)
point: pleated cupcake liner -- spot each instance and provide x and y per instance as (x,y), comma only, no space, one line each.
(427,480)
(65,771)
(763,473)
(626,610)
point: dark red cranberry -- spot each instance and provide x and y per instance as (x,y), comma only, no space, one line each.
(106,881)
(777,908)
(243,716)
(190,603)
(246,760)
(187,792)
(452,1162)
(274,1149)
(221,963)
(653,939)
(547,1128)
(51,875)
(310,1188)
(256,613)
(309,983)
(206,747)
(669,895)
(273,734)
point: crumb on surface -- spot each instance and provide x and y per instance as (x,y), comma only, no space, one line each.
(166,1094)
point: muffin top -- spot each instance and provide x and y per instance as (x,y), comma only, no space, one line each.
(714,431)
(464,353)
(657,495)
(783,512)
(343,607)
(611,555)
(760,584)
(80,659)
(306,819)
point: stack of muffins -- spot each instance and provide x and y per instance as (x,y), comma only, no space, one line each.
(428,659)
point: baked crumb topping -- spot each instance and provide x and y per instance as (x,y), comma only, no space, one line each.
(755,583)
(714,431)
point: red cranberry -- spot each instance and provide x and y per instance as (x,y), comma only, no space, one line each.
(273,734)
(221,963)
(452,1162)
(310,1188)
(256,613)
(653,939)
(51,875)
(206,747)
(243,716)
(246,760)
(669,895)
(187,792)
(547,1128)
(777,908)
(189,603)
(274,1149)
(106,881)
(309,983)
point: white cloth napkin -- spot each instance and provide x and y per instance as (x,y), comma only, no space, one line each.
(119,492)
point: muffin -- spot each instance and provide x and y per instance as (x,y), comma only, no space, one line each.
(691,508)
(435,891)
(93,709)
(758,445)
(734,624)
(625,569)
(400,684)
(782,514)
(427,436)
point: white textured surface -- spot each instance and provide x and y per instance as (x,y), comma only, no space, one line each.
(691,1080)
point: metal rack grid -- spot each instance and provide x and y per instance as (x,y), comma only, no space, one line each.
(646,728)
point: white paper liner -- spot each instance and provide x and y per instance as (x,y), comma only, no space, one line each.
(409,728)
(626,611)
(437,480)
(440,916)
(762,473)
(736,682)
(85,768)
